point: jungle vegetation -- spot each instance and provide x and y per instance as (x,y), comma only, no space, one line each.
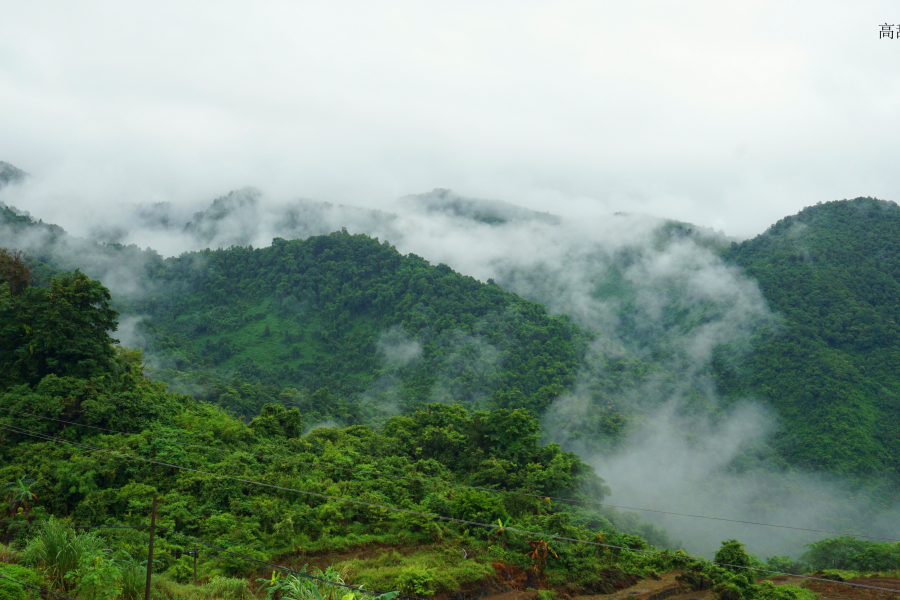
(252,348)
(345,328)
(87,438)
(829,367)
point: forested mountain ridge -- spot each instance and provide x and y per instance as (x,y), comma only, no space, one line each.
(264,491)
(352,315)
(830,369)
(10,174)
(680,333)
(347,328)
(342,326)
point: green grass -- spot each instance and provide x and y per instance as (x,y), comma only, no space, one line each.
(13,591)
(435,568)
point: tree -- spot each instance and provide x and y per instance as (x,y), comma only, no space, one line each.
(20,495)
(538,555)
(62,329)
(276,420)
(733,556)
(14,271)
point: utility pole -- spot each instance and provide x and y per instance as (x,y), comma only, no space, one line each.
(150,549)
(195,565)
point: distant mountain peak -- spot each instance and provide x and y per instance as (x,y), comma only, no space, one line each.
(226,205)
(11,174)
(234,215)
(491,212)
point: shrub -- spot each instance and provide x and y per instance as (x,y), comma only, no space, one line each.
(9,555)
(732,556)
(730,592)
(182,570)
(133,579)
(59,551)
(766,590)
(97,577)
(10,590)
(419,582)
(229,588)
(785,564)
(300,588)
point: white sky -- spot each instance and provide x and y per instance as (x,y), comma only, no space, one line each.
(726,114)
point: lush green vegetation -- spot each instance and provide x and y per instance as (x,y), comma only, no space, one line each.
(99,478)
(341,326)
(345,328)
(833,273)
(318,323)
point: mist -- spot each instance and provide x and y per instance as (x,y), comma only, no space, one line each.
(571,136)
(699,466)
(397,351)
(652,290)
(722,115)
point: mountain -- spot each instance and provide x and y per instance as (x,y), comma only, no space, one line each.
(265,491)
(235,219)
(490,212)
(648,346)
(389,509)
(11,174)
(832,273)
(341,325)
(802,317)
(348,316)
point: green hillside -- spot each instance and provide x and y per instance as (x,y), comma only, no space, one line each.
(830,368)
(330,318)
(441,502)
(341,326)
(357,487)
(344,327)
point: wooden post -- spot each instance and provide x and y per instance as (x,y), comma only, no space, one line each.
(150,549)
(195,565)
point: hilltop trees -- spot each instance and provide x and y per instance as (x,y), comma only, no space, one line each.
(57,356)
(61,329)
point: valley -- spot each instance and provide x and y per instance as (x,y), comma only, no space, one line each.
(668,369)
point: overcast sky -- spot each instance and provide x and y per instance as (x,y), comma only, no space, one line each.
(726,114)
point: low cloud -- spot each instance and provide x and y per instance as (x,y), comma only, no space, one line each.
(397,349)
(716,466)
(657,296)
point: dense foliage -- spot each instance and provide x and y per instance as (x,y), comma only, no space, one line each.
(330,297)
(833,273)
(345,328)
(193,450)
(341,326)
(347,315)
(852,554)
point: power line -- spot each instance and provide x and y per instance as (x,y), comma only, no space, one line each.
(37,587)
(424,514)
(463,486)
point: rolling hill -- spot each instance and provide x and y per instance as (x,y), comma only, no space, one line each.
(832,272)
(347,328)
